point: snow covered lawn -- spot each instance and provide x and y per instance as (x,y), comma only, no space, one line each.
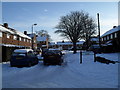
(110,56)
(89,74)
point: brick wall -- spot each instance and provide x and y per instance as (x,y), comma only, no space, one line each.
(12,41)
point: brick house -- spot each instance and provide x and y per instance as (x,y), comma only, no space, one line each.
(34,39)
(42,42)
(110,40)
(12,39)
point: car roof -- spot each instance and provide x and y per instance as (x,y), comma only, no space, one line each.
(22,50)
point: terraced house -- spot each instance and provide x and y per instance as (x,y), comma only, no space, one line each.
(12,39)
(111,40)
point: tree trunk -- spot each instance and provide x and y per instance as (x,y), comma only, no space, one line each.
(74,47)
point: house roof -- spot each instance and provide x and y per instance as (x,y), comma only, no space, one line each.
(69,43)
(39,38)
(94,39)
(111,31)
(3,29)
(13,31)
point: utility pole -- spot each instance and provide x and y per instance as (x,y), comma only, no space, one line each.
(99,30)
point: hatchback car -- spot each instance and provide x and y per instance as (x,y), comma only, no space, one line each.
(23,57)
(53,57)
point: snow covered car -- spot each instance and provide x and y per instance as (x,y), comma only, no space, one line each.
(23,57)
(53,57)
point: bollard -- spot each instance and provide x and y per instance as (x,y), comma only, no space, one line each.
(80,57)
(94,57)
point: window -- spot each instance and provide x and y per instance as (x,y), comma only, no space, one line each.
(115,35)
(111,36)
(108,37)
(24,39)
(27,40)
(0,34)
(102,39)
(15,37)
(20,38)
(8,35)
(105,38)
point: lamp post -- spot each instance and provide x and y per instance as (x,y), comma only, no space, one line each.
(99,31)
(32,34)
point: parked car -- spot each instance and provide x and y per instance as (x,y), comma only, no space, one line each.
(23,57)
(53,56)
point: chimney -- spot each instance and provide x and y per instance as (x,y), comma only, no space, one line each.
(25,32)
(114,26)
(5,25)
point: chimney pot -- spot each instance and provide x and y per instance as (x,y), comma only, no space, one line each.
(25,32)
(114,26)
(5,25)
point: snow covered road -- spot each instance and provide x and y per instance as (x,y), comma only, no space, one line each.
(89,74)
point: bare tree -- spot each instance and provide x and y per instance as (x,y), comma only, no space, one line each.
(88,27)
(74,26)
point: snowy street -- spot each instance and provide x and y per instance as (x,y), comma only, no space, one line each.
(72,74)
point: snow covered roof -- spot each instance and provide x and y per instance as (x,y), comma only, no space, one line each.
(22,34)
(12,31)
(64,43)
(3,29)
(52,43)
(54,49)
(22,50)
(111,31)
(39,38)
(80,42)
(94,39)
(69,43)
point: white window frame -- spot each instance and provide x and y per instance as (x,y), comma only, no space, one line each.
(8,35)
(0,34)
(20,39)
(15,37)
(115,35)
(108,37)
(30,41)
(24,40)
(27,40)
(111,36)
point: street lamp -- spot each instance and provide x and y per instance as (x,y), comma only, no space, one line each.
(32,34)
(99,32)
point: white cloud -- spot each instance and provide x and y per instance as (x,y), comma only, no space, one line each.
(45,10)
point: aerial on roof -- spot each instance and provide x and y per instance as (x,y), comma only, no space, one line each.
(111,31)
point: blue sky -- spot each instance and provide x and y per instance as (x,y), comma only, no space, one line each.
(21,15)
